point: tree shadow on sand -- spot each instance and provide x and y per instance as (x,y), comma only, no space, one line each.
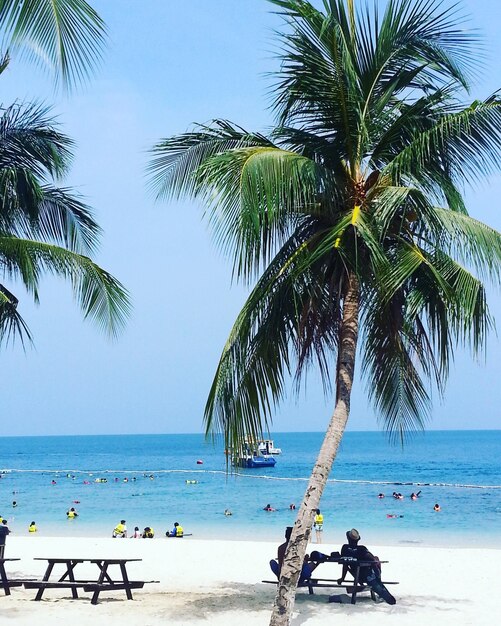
(250,599)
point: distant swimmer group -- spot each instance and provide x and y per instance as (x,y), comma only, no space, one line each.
(399,496)
(413,496)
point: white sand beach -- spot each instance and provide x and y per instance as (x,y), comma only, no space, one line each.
(219,582)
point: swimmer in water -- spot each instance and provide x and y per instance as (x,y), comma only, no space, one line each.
(380,495)
(268,507)
(437,507)
(227,512)
(292,506)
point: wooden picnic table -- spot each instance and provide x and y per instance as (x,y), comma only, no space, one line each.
(7,582)
(352,587)
(102,582)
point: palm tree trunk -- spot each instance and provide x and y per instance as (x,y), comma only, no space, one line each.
(296,549)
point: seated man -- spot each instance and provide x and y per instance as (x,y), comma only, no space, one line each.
(368,574)
(276,565)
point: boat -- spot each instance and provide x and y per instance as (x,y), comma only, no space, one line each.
(266,446)
(250,456)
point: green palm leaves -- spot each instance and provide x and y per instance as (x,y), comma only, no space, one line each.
(66,36)
(45,229)
(361,179)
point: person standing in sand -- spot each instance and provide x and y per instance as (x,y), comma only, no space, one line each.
(4,531)
(318,525)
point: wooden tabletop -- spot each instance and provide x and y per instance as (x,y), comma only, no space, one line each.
(65,560)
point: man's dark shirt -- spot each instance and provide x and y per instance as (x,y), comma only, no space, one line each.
(360,553)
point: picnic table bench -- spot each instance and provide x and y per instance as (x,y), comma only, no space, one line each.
(5,582)
(352,587)
(103,582)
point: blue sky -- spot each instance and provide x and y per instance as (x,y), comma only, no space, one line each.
(170,64)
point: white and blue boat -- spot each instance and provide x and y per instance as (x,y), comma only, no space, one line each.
(251,456)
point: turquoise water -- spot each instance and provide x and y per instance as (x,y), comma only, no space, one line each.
(461,470)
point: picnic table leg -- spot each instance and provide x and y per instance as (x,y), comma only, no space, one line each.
(126,581)
(70,566)
(48,572)
(355,586)
(103,567)
(5,580)
(104,575)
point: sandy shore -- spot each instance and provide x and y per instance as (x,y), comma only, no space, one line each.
(219,582)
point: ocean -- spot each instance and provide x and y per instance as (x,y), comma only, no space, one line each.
(146,484)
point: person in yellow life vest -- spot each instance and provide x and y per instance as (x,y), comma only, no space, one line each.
(318,525)
(120,530)
(177,531)
(148,533)
(71,514)
(32,528)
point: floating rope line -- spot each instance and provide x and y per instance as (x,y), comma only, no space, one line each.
(147,473)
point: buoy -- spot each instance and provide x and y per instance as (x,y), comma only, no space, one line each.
(199,462)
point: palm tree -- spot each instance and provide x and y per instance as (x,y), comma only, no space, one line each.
(44,229)
(64,36)
(351,218)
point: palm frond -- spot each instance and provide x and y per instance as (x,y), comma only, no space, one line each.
(290,316)
(65,36)
(463,145)
(101,297)
(12,324)
(30,139)
(176,160)
(256,197)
